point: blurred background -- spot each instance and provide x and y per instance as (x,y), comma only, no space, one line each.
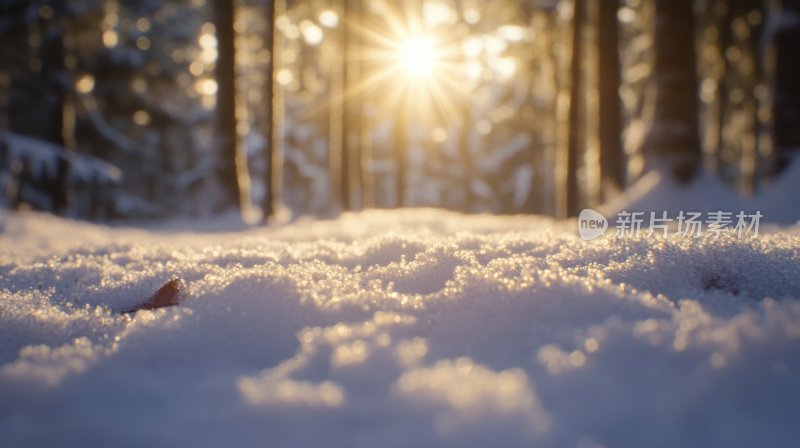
(147,109)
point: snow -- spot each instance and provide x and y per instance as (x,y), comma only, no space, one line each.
(657,192)
(772,200)
(42,158)
(396,328)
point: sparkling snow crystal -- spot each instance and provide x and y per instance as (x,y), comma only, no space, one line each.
(396,328)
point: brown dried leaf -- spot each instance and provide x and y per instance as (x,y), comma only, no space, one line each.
(167,295)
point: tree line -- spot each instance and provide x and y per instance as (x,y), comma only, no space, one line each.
(148,108)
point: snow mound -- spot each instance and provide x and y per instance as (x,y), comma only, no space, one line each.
(776,198)
(657,192)
(396,328)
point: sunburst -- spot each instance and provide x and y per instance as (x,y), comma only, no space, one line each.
(409,67)
(419,56)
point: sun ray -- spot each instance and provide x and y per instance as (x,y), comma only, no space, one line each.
(407,66)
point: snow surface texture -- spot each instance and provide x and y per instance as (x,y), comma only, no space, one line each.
(396,329)
(655,192)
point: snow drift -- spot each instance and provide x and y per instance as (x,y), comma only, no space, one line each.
(403,328)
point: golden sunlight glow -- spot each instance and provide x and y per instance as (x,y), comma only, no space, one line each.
(412,66)
(419,56)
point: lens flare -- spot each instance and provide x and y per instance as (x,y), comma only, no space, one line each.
(406,64)
(419,56)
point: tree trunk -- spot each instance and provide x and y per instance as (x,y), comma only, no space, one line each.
(231,158)
(63,113)
(337,161)
(786,93)
(673,139)
(366,179)
(270,189)
(612,157)
(574,115)
(724,42)
(347,181)
(351,136)
(400,151)
(468,174)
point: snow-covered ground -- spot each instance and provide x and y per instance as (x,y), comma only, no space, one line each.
(397,329)
(656,192)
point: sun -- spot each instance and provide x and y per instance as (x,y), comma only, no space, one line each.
(408,65)
(418,56)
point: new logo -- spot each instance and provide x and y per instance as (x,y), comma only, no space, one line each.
(591,224)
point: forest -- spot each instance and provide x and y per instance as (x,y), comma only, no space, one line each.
(377,223)
(149,109)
